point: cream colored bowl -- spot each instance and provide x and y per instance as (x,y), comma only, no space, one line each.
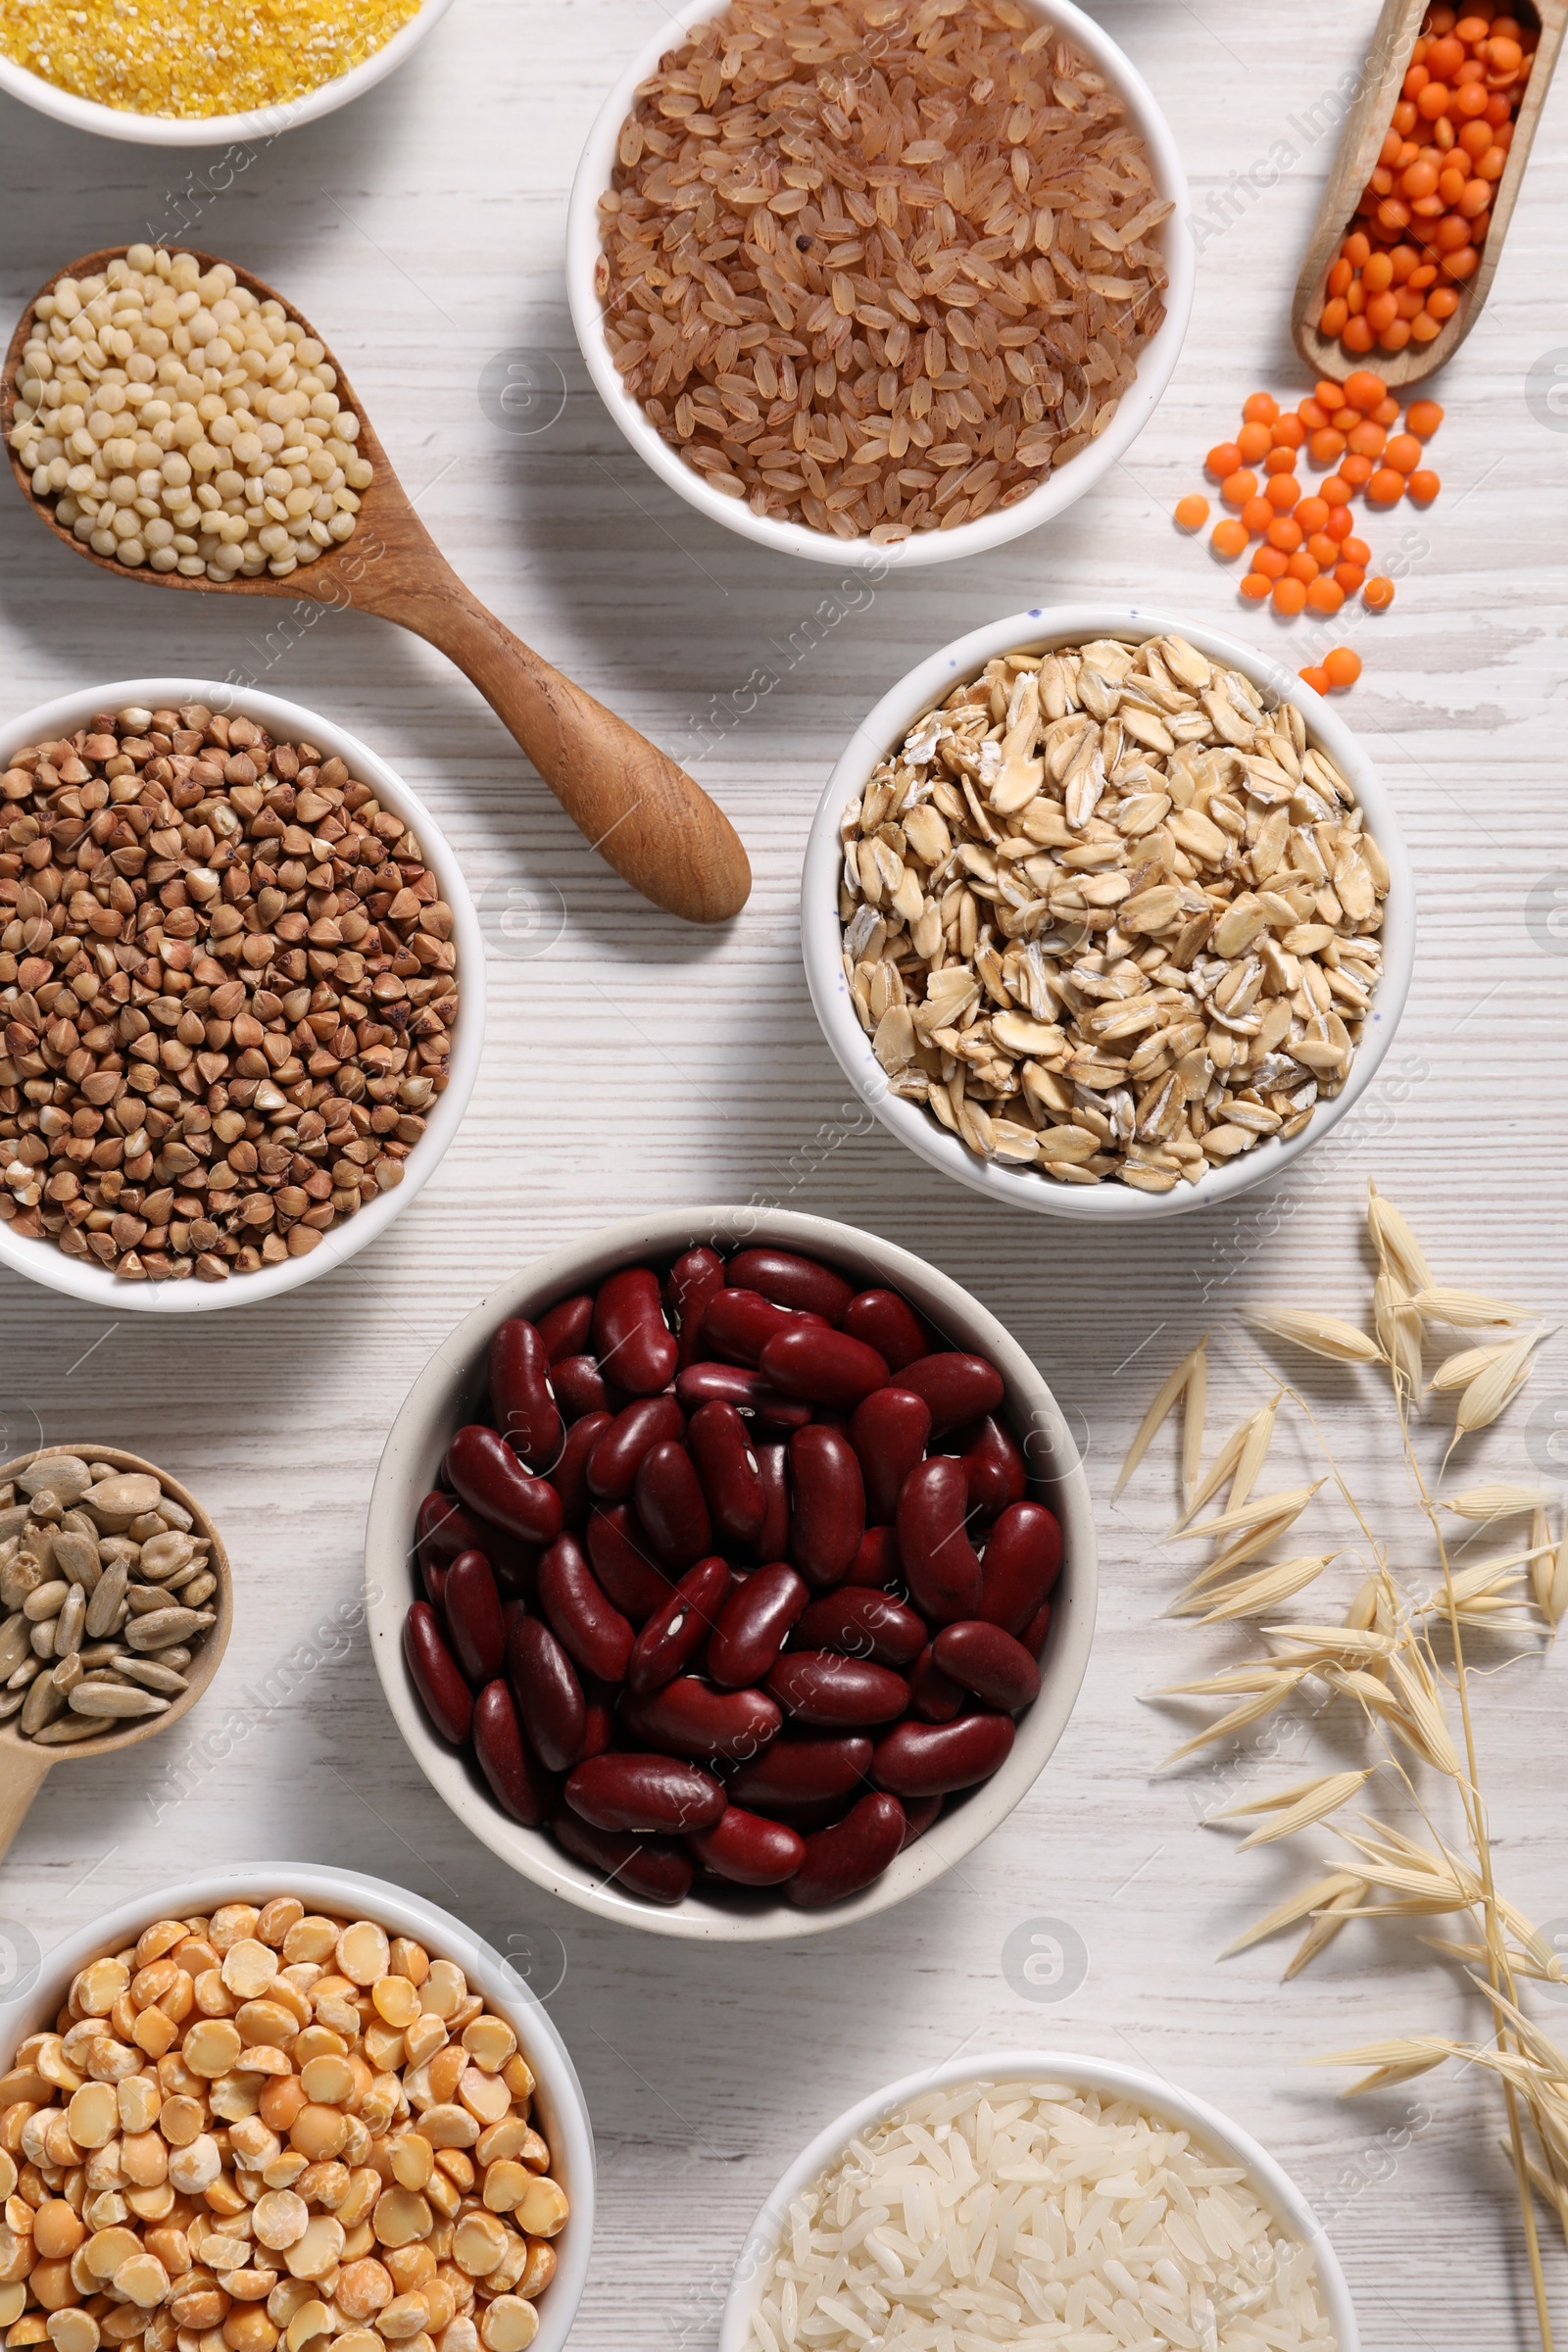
(1060,489)
(447,1393)
(41,1260)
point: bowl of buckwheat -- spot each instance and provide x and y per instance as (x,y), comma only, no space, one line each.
(241,995)
(1105,915)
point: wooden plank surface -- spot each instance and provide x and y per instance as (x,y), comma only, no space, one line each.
(630,1061)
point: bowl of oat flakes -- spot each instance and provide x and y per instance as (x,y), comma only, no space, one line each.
(1105,915)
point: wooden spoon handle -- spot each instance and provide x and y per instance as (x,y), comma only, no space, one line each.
(22,1769)
(641,812)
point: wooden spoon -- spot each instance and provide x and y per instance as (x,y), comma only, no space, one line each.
(642,813)
(22,1762)
(1365,129)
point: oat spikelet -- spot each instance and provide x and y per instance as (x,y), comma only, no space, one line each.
(1297,1807)
(1249,1516)
(1398,1328)
(1543,1563)
(1251,1710)
(1323,1929)
(1195,1397)
(1296,1907)
(1399,1253)
(1249,1595)
(1497,1502)
(1493,1388)
(1364,1609)
(1392,2061)
(1458,1371)
(1465,1310)
(1558,1602)
(1165,1396)
(1218,1471)
(1319,1335)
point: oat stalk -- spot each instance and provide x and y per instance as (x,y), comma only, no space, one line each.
(1382,1657)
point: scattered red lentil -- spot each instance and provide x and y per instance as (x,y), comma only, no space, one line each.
(1192,512)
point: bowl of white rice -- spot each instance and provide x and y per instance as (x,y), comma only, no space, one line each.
(1033,2198)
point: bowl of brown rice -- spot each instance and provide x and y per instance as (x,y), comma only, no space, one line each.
(852,310)
(1028,2197)
(1072,921)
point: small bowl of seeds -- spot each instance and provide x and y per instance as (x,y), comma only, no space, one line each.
(873,292)
(115,1605)
(1106,917)
(204,72)
(241,995)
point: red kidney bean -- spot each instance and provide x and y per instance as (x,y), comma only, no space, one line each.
(889,1324)
(791,1281)
(919,1812)
(939,1560)
(654,1868)
(928,1759)
(752,1624)
(612,1465)
(933,1695)
(625,1563)
(956,1387)
(828,1366)
(691,1281)
(688,1716)
(442,1528)
(564,1327)
(721,1447)
(581,1387)
(889,1431)
(550,1699)
(989,1662)
(477,1635)
(598,1716)
(569,1477)
(515,1563)
(738,1325)
(749,1850)
(649,1795)
(521,1394)
(583,1620)
(802,1769)
(1033,1637)
(670,1506)
(675,1633)
(519,1781)
(490,1480)
(992,1463)
(876,1564)
(434,1581)
(772,1468)
(828,1517)
(1021,1564)
(740,1386)
(841,1860)
(862,1625)
(835,1693)
(635,1346)
(448,1700)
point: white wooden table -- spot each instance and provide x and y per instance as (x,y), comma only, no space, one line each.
(630,1061)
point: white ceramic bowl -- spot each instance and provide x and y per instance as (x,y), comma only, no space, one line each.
(259,125)
(1039,629)
(446,1393)
(1274,2188)
(1156,365)
(561,2107)
(41,1260)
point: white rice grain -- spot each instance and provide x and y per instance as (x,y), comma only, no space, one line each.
(1034,2217)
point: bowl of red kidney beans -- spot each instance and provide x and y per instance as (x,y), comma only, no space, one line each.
(733,1570)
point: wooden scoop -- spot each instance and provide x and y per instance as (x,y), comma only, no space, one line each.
(1365,129)
(642,813)
(22,1762)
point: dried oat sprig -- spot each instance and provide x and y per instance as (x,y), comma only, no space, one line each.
(1382,1658)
